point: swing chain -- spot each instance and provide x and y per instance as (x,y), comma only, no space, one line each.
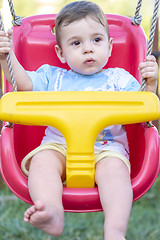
(9,63)
(8,58)
(153,27)
(151,37)
(17,21)
(137,19)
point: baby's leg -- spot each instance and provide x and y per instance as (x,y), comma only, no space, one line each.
(113,180)
(46,173)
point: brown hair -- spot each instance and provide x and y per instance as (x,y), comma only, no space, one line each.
(76,11)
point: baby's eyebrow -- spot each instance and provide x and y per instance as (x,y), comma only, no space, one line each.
(98,34)
(73,38)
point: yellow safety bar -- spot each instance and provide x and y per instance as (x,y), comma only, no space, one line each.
(79,116)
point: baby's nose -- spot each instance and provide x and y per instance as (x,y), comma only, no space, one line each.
(87,48)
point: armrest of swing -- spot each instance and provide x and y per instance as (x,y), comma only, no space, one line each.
(68,111)
(27,107)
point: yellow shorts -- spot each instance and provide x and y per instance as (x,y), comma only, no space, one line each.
(61,148)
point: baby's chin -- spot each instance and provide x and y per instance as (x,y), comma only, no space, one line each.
(87,73)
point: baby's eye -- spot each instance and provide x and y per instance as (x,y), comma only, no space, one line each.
(97,39)
(76,43)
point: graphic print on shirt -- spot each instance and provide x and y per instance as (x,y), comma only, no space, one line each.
(104,137)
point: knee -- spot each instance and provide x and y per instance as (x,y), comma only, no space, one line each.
(110,164)
(111,168)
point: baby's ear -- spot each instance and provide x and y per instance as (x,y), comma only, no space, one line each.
(110,46)
(59,53)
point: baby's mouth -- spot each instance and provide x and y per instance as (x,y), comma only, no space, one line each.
(90,61)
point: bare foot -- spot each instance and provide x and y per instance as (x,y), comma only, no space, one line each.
(48,219)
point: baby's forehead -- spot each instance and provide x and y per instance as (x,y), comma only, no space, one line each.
(91,18)
(88,25)
(92,23)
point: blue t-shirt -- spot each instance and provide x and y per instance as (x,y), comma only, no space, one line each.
(50,78)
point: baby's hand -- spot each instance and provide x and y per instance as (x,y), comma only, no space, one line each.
(5,42)
(149,71)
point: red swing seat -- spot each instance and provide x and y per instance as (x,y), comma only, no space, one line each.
(33,44)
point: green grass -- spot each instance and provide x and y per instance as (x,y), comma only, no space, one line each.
(144,222)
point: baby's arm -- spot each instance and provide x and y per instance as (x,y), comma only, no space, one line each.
(23,81)
(149,71)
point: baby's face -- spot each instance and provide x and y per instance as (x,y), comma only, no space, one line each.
(85,46)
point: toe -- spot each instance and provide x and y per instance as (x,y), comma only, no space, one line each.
(28,213)
(39,206)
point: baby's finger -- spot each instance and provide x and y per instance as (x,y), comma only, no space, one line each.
(4,40)
(142,65)
(149,74)
(10,33)
(150,58)
(2,33)
(146,64)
